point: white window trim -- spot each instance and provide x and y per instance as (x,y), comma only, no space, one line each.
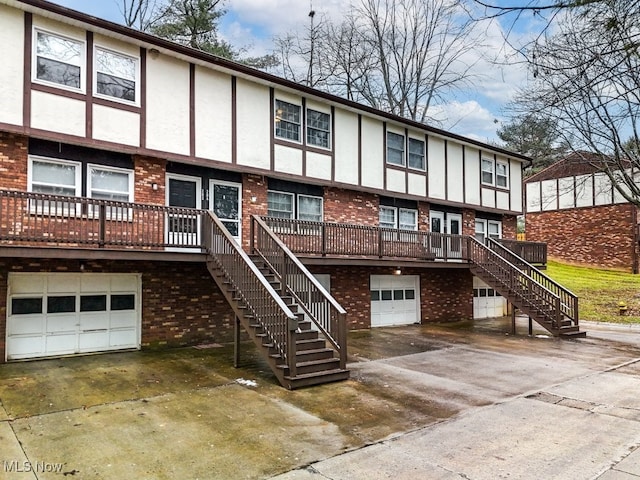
(306,121)
(302,130)
(395,216)
(404,149)
(506,175)
(293,202)
(297,206)
(107,168)
(486,224)
(493,171)
(136,80)
(413,211)
(424,154)
(76,165)
(82,64)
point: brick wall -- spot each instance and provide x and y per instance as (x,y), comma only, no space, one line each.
(252,186)
(181,305)
(510,227)
(348,206)
(147,172)
(597,236)
(468,222)
(13,161)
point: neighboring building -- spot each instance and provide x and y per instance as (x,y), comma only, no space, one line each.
(574,208)
(93,113)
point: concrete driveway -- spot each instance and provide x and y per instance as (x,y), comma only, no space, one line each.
(457,401)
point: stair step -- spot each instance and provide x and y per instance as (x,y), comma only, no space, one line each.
(317,378)
(314,366)
(303,356)
(310,343)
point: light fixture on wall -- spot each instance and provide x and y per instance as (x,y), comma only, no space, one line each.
(397,271)
(154,52)
(154,186)
(254,199)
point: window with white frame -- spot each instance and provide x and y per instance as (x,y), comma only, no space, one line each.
(395,149)
(108,183)
(59,60)
(309,208)
(318,129)
(287,121)
(407,219)
(502,175)
(54,177)
(487,171)
(387,217)
(488,228)
(116,75)
(280,204)
(416,154)
(481,230)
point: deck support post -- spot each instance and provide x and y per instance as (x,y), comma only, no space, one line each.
(530,326)
(236,342)
(513,319)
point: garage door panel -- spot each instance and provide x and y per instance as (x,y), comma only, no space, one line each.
(64,284)
(62,323)
(26,325)
(94,321)
(125,338)
(27,284)
(61,344)
(125,319)
(394,300)
(123,283)
(25,347)
(93,341)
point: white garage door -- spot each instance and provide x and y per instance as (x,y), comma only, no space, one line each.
(487,303)
(62,314)
(395,300)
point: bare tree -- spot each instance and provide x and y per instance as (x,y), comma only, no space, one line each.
(402,56)
(586,79)
(140,14)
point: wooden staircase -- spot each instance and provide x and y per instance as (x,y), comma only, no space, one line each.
(275,315)
(552,306)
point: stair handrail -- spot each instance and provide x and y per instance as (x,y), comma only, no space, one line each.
(318,304)
(568,299)
(516,275)
(278,322)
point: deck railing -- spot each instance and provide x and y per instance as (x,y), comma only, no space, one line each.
(251,289)
(318,305)
(337,239)
(28,218)
(532,252)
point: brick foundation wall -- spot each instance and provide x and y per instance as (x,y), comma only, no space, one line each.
(13,161)
(181,305)
(596,236)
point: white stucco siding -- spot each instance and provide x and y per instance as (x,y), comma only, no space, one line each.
(58,114)
(168,117)
(602,189)
(472,176)
(455,173)
(502,200)
(549,198)
(584,191)
(396,181)
(319,166)
(346,147)
(116,125)
(567,193)
(12,71)
(253,123)
(437,174)
(515,184)
(417,184)
(488,197)
(373,155)
(288,160)
(533,197)
(213,115)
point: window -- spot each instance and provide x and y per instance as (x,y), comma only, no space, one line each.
(123,302)
(395,148)
(105,183)
(318,128)
(59,60)
(54,177)
(309,208)
(26,306)
(487,171)
(64,304)
(93,303)
(416,154)
(502,176)
(408,219)
(287,121)
(488,228)
(494,230)
(481,230)
(280,205)
(387,217)
(116,75)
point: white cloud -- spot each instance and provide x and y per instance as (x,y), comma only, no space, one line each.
(468,118)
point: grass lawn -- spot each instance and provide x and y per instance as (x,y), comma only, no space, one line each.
(599,291)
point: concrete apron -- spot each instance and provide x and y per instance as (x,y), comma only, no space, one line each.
(444,401)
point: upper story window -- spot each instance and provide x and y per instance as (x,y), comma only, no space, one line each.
(59,60)
(309,208)
(108,183)
(416,154)
(116,75)
(402,218)
(280,204)
(287,121)
(488,228)
(318,128)
(395,149)
(487,171)
(502,175)
(54,177)
(292,206)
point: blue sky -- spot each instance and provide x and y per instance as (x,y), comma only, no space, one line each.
(475,112)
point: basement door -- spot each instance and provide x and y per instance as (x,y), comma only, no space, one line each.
(53,314)
(395,300)
(487,303)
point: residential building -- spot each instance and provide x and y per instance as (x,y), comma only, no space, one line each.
(132,169)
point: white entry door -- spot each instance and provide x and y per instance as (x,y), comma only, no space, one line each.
(448,223)
(183,229)
(226,203)
(395,300)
